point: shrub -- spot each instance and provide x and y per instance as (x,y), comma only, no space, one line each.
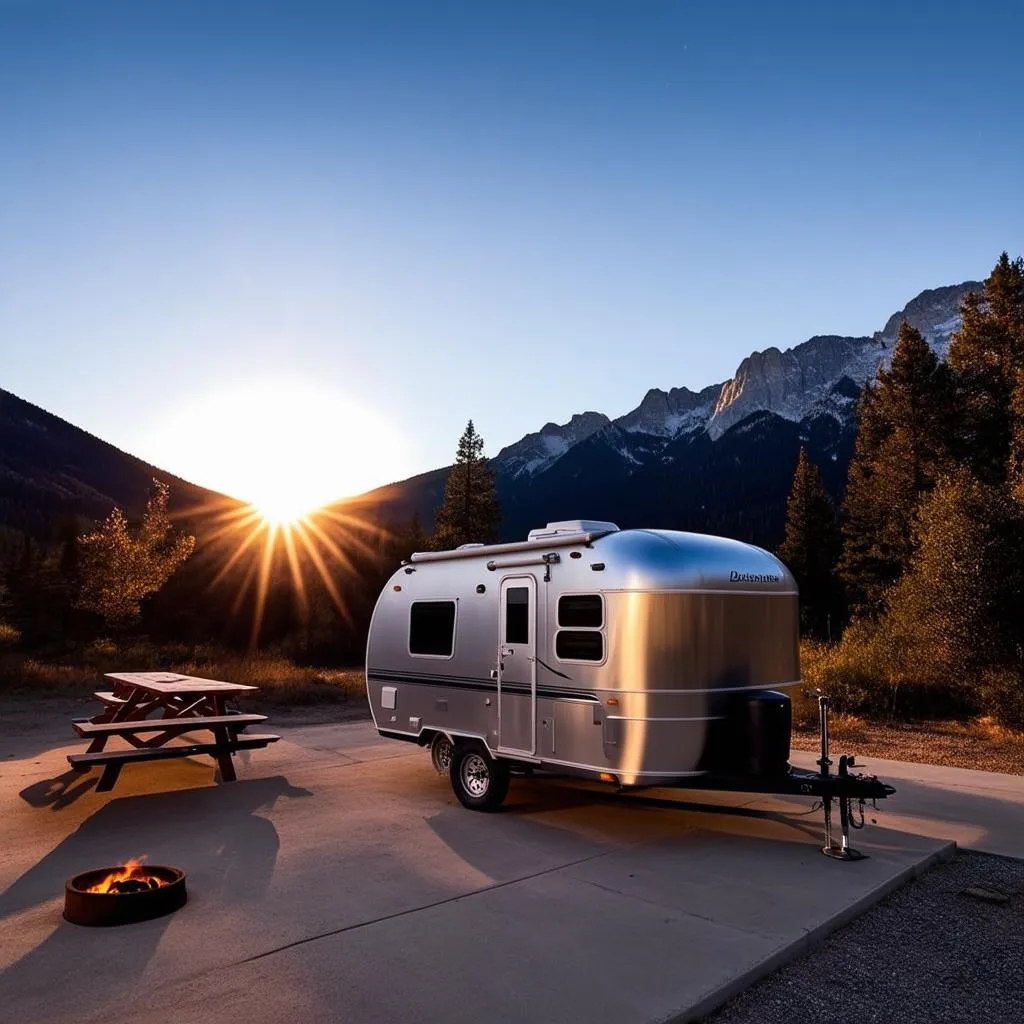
(879,671)
(1002,696)
(10,636)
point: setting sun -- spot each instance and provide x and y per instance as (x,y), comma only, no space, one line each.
(287,447)
(282,512)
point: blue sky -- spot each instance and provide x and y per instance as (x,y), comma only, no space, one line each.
(225,223)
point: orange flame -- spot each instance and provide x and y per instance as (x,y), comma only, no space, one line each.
(133,870)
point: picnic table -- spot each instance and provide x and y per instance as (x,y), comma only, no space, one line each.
(150,709)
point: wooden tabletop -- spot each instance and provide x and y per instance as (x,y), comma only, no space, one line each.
(172,683)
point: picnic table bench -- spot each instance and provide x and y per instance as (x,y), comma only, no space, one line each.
(182,705)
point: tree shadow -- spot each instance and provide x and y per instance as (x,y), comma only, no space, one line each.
(216,835)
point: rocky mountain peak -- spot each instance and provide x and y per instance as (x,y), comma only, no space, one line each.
(666,413)
(935,313)
(535,452)
(794,384)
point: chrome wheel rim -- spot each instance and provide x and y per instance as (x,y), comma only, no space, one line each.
(476,776)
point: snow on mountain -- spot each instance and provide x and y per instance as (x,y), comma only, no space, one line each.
(670,413)
(536,452)
(819,377)
(935,313)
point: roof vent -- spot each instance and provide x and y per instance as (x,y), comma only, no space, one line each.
(572,526)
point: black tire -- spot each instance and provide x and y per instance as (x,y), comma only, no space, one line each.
(441,750)
(480,782)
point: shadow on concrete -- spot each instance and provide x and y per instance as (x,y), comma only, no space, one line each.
(551,821)
(230,856)
(59,792)
(234,845)
(565,793)
(33,724)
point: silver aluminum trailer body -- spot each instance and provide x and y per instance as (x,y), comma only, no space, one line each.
(614,654)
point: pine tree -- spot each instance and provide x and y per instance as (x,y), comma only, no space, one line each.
(470,510)
(986,355)
(1016,473)
(119,567)
(812,546)
(903,446)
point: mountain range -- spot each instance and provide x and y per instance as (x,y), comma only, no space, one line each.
(718,460)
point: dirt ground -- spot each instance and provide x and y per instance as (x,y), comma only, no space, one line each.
(982,744)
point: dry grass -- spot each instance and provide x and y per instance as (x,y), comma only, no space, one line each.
(980,743)
(280,681)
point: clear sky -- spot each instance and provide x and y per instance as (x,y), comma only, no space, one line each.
(242,238)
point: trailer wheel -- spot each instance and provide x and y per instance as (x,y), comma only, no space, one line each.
(480,782)
(441,754)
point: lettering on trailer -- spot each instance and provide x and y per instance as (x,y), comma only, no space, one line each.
(753,577)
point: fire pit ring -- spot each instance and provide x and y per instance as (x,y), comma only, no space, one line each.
(138,895)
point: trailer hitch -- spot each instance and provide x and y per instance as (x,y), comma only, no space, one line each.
(841,783)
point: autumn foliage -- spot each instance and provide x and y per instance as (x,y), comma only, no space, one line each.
(119,566)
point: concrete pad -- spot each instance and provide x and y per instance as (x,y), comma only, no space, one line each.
(339,879)
(977,810)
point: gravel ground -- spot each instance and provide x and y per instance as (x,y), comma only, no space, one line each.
(928,954)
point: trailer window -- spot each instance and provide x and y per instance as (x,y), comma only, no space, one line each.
(517,615)
(581,610)
(432,628)
(579,645)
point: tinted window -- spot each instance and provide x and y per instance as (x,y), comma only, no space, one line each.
(517,615)
(580,610)
(432,627)
(579,644)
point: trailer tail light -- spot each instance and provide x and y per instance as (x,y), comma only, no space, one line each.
(613,702)
(608,777)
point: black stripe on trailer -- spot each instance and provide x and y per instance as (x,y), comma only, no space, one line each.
(483,685)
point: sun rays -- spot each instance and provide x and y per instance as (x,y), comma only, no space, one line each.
(254,549)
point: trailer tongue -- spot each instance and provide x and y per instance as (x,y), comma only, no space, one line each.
(824,784)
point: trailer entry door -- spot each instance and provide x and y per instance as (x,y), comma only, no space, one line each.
(517,666)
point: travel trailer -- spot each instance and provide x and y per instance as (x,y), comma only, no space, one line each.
(634,657)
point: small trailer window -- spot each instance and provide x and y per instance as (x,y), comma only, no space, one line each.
(579,645)
(517,615)
(585,610)
(432,628)
(583,640)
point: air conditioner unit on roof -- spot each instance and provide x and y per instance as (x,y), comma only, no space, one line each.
(572,526)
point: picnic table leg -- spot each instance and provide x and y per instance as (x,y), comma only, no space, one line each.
(109,777)
(117,714)
(224,762)
(97,744)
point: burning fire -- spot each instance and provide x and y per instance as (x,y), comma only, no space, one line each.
(133,877)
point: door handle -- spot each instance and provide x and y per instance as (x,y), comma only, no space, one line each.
(507,652)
